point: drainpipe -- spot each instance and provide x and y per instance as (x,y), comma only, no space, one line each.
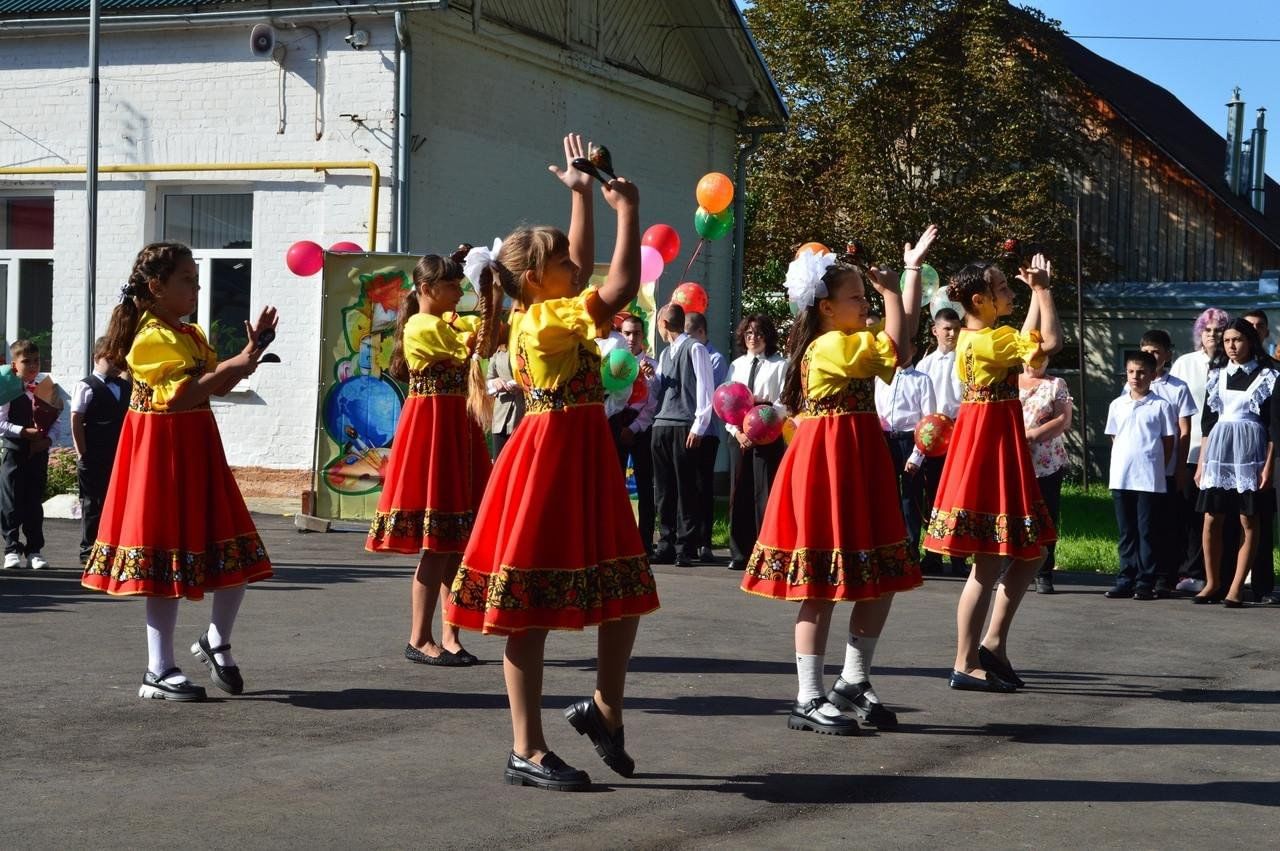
(739,219)
(404,104)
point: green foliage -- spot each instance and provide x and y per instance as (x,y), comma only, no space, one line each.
(62,472)
(906,112)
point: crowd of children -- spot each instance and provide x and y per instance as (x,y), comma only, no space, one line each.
(543,537)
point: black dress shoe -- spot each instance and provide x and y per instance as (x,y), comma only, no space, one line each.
(663,557)
(585,717)
(156,688)
(1044,585)
(964,682)
(225,677)
(1228,603)
(1206,599)
(737,565)
(706,556)
(552,773)
(990,662)
(1118,593)
(682,561)
(806,716)
(444,660)
(852,697)
(1144,594)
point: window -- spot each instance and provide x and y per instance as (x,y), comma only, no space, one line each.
(218,226)
(26,272)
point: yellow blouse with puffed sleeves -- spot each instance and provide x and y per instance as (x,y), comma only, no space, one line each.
(163,358)
(429,339)
(986,357)
(554,353)
(834,358)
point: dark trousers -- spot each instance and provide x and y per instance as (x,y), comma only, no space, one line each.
(500,440)
(22,480)
(751,473)
(1171,532)
(1051,491)
(641,454)
(1262,578)
(1192,526)
(675,490)
(705,460)
(931,562)
(910,485)
(1135,515)
(93,475)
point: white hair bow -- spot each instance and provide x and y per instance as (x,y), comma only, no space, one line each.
(804,278)
(477,259)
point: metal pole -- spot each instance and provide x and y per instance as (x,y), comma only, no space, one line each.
(1084,399)
(91,194)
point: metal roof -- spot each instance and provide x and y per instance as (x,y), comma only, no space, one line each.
(51,7)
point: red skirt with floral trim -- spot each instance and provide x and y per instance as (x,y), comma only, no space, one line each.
(434,479)
(174,523)
(988,499)
(833,529)
(555,545)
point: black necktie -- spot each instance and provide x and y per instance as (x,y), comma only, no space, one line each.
(751,376)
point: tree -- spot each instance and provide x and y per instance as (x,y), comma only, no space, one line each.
(906,112)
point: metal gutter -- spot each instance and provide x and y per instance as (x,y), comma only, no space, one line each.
(231,16)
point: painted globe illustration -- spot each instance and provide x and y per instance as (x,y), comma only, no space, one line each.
(362,411)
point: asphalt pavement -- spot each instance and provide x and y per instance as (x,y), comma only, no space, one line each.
(1143,725)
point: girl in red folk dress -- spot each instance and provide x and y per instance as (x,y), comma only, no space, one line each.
(832,529)
(171,455)
(439,460)
(989,504)
(555,545)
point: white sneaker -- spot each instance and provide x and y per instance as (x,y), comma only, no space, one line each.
(35,561)
(12,560)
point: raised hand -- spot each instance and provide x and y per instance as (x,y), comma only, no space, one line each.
(620,192)
(1037,275)
(913,255)
(884,280)
(576,181)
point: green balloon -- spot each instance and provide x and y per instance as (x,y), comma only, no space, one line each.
(713,226)
(618,370)
(928,281)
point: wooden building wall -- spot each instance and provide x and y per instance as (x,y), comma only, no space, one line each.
(1146,219)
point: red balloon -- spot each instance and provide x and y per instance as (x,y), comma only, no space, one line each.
(345,248)
(665,239)
(691,296)
(933,434)
(731,401)
(304,258)
(639,391)
(763,424)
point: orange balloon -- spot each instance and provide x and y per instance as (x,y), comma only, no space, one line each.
(715,192)
(813,248)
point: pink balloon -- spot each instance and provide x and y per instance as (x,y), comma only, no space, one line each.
(763,424)
(304,258)
(731,401)
(345,248)
(650,264)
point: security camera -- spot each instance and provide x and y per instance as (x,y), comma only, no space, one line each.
(262,40)
(359,39)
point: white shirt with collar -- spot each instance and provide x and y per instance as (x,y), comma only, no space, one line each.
(702,372)
(1193,369)
(1137,454)
(903,402)
(1174,391)
(649,406)
(770,379)
(940,366)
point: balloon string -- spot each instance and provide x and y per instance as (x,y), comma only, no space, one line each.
(689,265)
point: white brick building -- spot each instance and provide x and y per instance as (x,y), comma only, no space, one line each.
(670,86)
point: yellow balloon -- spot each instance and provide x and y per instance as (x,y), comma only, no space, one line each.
(645,296)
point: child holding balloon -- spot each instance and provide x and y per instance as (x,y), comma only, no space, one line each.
(826,537)
(173,523)
(988,503)
(555,544)
(439,460)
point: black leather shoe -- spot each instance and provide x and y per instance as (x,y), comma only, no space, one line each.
(852,697)
(225,677)
(156,688)
(805,716)
(585,717)
(1003,670)
(663,557)
(1118,593)
(737,565)
(1206,600)
(1044,585)
(682,561)
(1144,594)
(706,556)
(1228,603)
(552,773)
(964,682)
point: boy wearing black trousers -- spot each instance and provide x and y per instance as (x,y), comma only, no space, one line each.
(28,427)
(98,406)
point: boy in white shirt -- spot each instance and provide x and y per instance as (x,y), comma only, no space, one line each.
(1142,427)
(940,366)
(901,404)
